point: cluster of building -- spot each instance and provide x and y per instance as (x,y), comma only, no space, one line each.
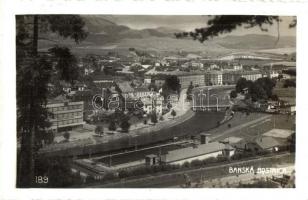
(152,101)
(270,141)
(207,77)
(195,151)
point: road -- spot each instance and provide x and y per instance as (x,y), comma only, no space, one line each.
(180,107)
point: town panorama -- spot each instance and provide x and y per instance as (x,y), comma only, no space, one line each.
(124,101)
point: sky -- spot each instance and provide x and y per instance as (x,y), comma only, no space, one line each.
(190,22)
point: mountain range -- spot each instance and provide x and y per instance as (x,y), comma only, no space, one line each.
(105,34)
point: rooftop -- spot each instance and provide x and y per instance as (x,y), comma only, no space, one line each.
(285,63)
(174,73)
(279,133)
(190,152)
(250,72)
(232,140)
(214,72)
(141,89)
(58,99)
(102,76)
(125,87)
(267,142)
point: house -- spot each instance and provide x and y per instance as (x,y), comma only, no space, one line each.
(113,67)
(140,92)
(88,71)
(66,87)
(251,75)
(232,140)
(50,87)
(88,168)
(214,67)
(80,87)
(244,145)
(153,103)
(125,71)
(267,144)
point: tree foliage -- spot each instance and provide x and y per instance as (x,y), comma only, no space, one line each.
(289,83)
(112,126)
(125,125)
(173,113)
(34,70)
(99,130)
(227,23)
(261,89)
(172,83)
(66,63)
(233,94)
(189,91)
(58,172)
(91,62)
(66,135)
(154,117)
(67,26)
(242,84)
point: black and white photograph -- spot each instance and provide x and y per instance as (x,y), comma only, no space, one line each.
(155,101)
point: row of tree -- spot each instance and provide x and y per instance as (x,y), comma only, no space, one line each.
(125,125)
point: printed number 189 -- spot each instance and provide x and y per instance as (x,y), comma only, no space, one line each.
(41,179)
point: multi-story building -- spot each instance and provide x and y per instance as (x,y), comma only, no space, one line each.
(147,79)
(153,104)
(238,67)
(185,78)
(272,74)
(65,115)
(140,92)
(251,75)
(213,78)
(230,77)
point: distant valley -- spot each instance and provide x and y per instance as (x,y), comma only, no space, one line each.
(105,35)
